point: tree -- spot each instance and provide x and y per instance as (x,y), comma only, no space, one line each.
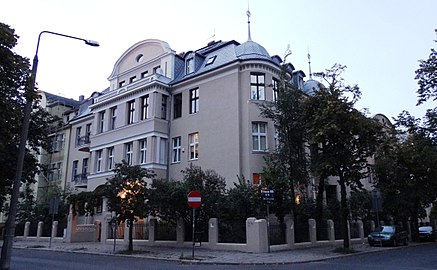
(427,78)
(127,194)
(14,80)
(405,170)
(343,137)
(287,166)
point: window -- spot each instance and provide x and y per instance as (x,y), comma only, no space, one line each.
(58,142)
(194,100)
(275,90)
(130,112)
(176,150)
(156,69)
(211,60)
(84,168)
(113,112)
(143,151)
(164,107)
(99,160)
(121,84)
(87,133)
(162,151)
(110,158)
(139,58)
(258,179)
(189,68)
(101,121)
(129,151)
(144,74)
(145,107)
(54,173)
(132,79)
(74,169)
(177,110)
(78,136)
(259,136)
(257,87)
(193,145)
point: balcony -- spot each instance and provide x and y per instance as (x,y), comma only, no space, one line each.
(83,143)
(81,180)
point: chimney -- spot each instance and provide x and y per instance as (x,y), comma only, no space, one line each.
(81,97)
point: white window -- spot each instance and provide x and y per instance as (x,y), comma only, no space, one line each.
(129,151)
(194,100)
(113,111)
(211,60)
(259,136)
(143,151)
(99,160)
(275,90)
(110,158)
(193,145)
(257,86)
(162,150)
(101,121)
(176,150)
(189,66)
(145,107)
(131,112)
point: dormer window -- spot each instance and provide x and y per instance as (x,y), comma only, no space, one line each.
(121,84)
(211,60)
(132,79)
(189,68)
(139,58)
(144,74)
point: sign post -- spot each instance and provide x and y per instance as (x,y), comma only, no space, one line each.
(53,209)
(194,200)
(268,197)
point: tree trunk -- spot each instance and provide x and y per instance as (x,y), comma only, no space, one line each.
(344,210)
(319,200)
(131,232)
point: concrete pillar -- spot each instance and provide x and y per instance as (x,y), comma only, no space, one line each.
(71,225)
(180,232)
(213,232)
(312,230)
(361,229)
(331,230)
(54,229)
(26,229)
(152,229)
(289,231)
(105,227)
(126,232)
(39,230)
(256,235)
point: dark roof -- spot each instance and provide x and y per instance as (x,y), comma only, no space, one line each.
(53,100)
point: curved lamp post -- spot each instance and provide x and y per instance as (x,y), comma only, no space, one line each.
(10,223)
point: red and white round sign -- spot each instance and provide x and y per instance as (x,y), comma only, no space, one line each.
(194,199)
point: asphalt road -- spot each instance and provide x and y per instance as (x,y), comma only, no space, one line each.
(417,257)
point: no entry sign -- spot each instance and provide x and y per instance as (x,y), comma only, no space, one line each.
(194,199)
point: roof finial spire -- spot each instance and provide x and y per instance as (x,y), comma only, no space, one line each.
(248,22)
(309,63)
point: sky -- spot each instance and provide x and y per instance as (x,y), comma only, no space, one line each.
(380,41)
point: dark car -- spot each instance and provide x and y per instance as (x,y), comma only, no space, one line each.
(426,233)
(388,235)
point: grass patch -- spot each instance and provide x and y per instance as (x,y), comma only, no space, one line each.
(343,250)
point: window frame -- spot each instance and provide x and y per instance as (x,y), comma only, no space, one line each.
(129,152)
(176,149)
(101,121)
(193,146)
(130,112)
(113,118)
(258,86)
(143,151)
(99,160)
(275,83)
(164,105)
(177,106)
(259,136)
(110,158)
(194,100)
(145,101)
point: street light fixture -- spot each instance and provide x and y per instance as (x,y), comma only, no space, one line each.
(5,259)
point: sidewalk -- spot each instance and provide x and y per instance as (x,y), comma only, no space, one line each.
(202,255)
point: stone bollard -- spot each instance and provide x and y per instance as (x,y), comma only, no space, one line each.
(152,229)
(180,232)
(39,231)
(361,229)
(312,231)
(26,229)
(126,232)
(213,232)
(256,235)
(289,231)
(106,225)
(331,230)
(54,231)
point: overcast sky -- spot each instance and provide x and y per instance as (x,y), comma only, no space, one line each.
(380,41)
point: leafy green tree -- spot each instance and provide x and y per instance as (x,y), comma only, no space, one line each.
(286,166)
(343,137)
(14,80)
(427,78)
(127,194)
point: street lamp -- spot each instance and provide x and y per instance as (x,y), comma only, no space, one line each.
(5,259)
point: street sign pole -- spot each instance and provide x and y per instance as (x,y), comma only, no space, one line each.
(268,227)
(194,226)
(268,197)
(194,200)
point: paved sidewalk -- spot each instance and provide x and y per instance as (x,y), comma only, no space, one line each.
(203,255)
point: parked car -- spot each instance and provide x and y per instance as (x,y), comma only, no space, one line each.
(388,235)
(426,233)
